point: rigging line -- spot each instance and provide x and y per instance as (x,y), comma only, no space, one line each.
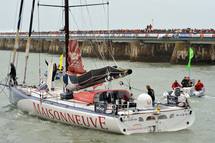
(108,26)
(90,42)
(87,5)
(15,15)
(6,80)
(73,18)
(53,49)
(84,23)
(101,45)
(4,92)
(104,43)
(104,10)
(60,24)
(101,54)
(63,41)
(89,16)
(123,84)
(109,45)
(9,61)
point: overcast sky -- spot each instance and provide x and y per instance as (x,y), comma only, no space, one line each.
(123,14)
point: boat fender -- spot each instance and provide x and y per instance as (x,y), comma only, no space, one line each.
(186,95)
(165,94)
(129,71)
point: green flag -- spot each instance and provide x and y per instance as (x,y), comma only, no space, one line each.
(191,54)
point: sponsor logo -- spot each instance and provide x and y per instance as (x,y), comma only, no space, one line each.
(148,101)
(76,119)
(130,120)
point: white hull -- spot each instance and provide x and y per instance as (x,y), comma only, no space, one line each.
(187,91)
(193,93)
(127,121)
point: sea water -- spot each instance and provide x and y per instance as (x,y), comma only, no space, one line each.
(20,127)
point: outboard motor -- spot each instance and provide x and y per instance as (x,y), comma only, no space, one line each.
(177,91)
(178,98)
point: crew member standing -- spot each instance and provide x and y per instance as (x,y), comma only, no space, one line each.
(151,93)
(13,73)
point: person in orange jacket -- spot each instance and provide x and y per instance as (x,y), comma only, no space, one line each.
(175,84)
(199,85)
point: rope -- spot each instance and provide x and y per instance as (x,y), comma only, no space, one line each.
(6,81)
(73,19)
(9,62)
(121,83)
(91,44)
(100,52)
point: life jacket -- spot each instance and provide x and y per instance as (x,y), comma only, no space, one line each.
(199,86)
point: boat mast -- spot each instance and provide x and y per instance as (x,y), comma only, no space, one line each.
(29,40)
(66,28)
(16,45)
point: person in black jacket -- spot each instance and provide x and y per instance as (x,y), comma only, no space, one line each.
(151,93)
(184,82)
(13,73)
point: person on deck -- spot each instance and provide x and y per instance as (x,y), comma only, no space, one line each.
(175,84)
(53,74)
(13,73)
(184,82)
(151,93)
(199,85)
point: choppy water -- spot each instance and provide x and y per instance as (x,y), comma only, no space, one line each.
(19,127)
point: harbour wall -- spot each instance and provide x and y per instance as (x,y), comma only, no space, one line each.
(176,52)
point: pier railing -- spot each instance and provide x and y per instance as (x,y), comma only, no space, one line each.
(83,36)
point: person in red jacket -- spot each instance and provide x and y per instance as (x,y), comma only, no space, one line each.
(175,84)
(199,85)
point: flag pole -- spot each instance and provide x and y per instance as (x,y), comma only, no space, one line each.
(189,74)
(191,54)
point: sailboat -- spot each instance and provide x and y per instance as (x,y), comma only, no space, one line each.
(111,110)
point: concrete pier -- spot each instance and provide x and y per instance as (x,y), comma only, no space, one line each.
(176,52)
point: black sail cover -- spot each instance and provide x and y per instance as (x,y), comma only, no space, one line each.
(98,76)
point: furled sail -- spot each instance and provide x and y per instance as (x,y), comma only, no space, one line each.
(16,45)
(74,58)
(97,76)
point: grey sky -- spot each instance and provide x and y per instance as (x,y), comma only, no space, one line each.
(124,14)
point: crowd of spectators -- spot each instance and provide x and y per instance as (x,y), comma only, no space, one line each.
(136,31)
(129,31)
